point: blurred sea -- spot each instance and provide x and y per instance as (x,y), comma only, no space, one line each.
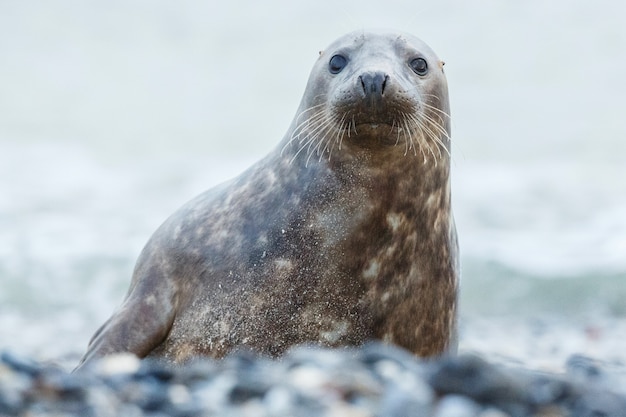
(113,114)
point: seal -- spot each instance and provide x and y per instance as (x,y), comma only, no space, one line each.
(344,233)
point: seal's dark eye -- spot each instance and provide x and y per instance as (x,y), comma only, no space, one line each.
(337,63)
(419,65)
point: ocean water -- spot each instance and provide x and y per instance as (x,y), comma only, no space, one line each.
(113,114)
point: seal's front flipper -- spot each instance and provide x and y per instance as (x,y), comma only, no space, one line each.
(141,323)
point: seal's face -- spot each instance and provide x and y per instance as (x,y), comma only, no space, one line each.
(375,90)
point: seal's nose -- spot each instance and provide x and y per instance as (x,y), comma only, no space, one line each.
(373,84)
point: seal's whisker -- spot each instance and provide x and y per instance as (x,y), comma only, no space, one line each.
(338,126)
(409,144)
(418,139)
(433,134)
(317,138)
(338,130)
(323,136)
(308,110)
(313,121)
(437,124)
(330,150)
(436,98)
(305,139)
(406,132)
(423,143)
(309,137)
(438,143)
(303,128)
(343,130)
(432,96)
(317,122)
(310,149)
(424,127)
(297,153)
(329,144)
(326,138)
(437,110)
(398,133)
(297,131)
(322,129)
(426,134)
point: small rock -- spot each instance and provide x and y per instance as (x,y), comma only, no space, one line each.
(544,390)
(121,363)
(20,364)
(599,403)
(456,406)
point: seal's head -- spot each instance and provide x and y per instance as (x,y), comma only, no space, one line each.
(373,90)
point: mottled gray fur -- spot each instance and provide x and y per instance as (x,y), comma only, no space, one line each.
(343,233)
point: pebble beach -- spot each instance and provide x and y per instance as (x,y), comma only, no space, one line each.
(374,380)
(114,115)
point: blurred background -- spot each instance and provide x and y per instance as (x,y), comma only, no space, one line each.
(115,113)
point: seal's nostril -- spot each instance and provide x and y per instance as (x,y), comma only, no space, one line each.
(382,89)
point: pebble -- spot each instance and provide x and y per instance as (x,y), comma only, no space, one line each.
(456,406)
(371,381)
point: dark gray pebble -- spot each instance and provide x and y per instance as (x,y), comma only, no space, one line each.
(583,368)
(19,364)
